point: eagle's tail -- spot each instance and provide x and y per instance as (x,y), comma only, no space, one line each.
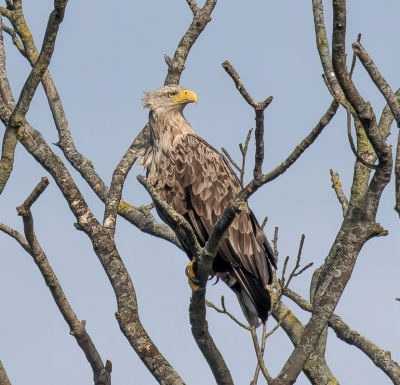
(254,299)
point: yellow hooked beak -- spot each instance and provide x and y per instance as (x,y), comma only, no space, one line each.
(186,96)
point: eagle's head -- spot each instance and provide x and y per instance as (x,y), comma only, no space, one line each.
(168,98)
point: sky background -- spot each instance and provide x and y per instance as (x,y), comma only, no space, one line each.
(106,54)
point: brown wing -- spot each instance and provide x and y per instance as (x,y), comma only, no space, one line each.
(197,180)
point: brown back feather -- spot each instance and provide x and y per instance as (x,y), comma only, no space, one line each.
(196,179)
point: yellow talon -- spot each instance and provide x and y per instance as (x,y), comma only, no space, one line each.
(191,277)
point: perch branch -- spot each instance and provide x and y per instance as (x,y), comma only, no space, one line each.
(176,221)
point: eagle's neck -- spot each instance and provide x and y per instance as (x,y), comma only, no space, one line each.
(166,126)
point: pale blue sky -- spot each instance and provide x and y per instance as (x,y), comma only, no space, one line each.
(105,56)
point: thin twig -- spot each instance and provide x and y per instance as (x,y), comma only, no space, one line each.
(35,194)
(234,164)
(264,222)
(244,153)
(14,38)
(224,311)
(337,186)
(275,243)
(353,63)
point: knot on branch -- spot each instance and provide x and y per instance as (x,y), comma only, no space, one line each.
(201,19)
(80,330)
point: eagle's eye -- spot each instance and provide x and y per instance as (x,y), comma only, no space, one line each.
(172,94)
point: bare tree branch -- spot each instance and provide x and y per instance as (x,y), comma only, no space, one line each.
(397,175)
(200,20)
(17,236)
(77,328)
(253,186)
(3,376)
(243,150)
(380,358)
(193,6)
(315,367)
(353,62)
(115,193)
(140,218)
(105,248)
(18,115)
(378,79)
(259,111)
(14,38)
(337,186)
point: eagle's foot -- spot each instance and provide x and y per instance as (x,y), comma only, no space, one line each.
(189,271)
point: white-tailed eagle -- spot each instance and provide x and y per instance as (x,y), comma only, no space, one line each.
(197,181)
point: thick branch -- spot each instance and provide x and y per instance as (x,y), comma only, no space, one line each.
(315,368)
(323,50)
(380,358)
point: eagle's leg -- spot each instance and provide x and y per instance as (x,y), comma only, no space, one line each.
(192,277)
